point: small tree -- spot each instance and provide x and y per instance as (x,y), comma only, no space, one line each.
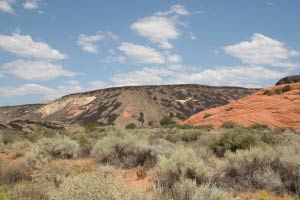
(141,118)
(130,126)
(166,120)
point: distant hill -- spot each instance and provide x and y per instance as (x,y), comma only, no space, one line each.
(289,79)
(142,105)
(275,106)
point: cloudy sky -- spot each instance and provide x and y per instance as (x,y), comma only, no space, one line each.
(52,48)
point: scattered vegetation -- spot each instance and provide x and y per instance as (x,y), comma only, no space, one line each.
(185,162)
(278,91)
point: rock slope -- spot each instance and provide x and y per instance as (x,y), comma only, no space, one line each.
(268,106)
(143,105)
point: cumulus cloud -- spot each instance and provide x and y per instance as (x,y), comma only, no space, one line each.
(141,54)
(246,76)
(174,58)
(175,9)
(31,4)
(263,50)
(36,89)
(157,29)
(35,70)
(23,45)
(89,44)
(26,89)
(6,6)
(161,27)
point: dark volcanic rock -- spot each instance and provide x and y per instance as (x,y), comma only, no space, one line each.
(289,79)
(142,105)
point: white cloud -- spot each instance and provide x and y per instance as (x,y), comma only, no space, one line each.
(158,30)
(174,58)
(35,70)
(23,45)
(263,50)
(36,89)
(246,76)
(89,44)
(175,9)
(192,36)
(141,54)
(95,85)
(161,27)
(6,6)
(27,89)
(31,4)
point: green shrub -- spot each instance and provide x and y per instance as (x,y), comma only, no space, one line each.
(12,173)
(268,93)
(264,167)
(184,189)
(30,190)
(278,91)
(229,124)
(130,126)
(90,127)
(166,120)
(208,192)
(7,138)
(232,141)
(206,115)
(124,150)
(205,127)
(94,186)
(259,126)
(183,163)
(59,147)
(286,88)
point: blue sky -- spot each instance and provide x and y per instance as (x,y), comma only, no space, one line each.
(52,48)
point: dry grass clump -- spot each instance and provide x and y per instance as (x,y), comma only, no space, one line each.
(208,192)
(264,168)
(94,186)
(59,147)
(29,190)
(124,150)
(11,173)
(187,189)
(183,163)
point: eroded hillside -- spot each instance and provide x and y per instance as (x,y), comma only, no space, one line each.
(143,105)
